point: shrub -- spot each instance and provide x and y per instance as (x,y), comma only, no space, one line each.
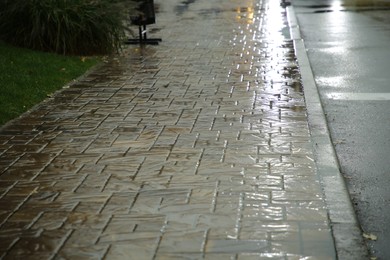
(79,27)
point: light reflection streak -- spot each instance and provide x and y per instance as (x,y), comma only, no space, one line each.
(246,14)
(336,6)
(260,20)
(274,23)
(331,81)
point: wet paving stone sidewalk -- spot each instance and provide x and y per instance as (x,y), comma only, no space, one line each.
(197,148)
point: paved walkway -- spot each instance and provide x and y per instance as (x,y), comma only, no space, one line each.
(196,148)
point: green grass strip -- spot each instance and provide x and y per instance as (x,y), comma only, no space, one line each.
(27,77)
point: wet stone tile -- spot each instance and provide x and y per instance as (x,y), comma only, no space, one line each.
(179,242)
(236,246)
(82,237)
(291,196)
(43,246)
(48,206)
(50,220)
(5,186)
(301,182)
(79,252)
(187,208)
(6,243)
(140,249)
(306,214)
(189,256)
(258,212)
(23,174)
(292,247)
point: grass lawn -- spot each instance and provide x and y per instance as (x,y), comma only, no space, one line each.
(27,77)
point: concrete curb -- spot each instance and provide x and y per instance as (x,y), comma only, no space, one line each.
(346,230)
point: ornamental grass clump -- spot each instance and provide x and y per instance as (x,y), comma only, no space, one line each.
(72,27)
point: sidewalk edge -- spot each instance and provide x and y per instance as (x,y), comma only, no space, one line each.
(346,230)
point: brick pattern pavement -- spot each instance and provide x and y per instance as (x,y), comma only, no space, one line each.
(196,148)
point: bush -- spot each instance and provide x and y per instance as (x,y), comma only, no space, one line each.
(80,27)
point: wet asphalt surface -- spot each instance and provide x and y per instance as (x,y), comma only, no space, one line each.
(198,148)
(349,54)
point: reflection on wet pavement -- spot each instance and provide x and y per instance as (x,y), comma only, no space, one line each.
(349,6)
(183,6)
(196,148)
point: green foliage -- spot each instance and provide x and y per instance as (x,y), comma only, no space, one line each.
(78,27)
(27,77)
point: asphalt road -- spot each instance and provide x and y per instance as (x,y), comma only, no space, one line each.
(349,51)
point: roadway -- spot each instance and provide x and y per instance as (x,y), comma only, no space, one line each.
(348,47)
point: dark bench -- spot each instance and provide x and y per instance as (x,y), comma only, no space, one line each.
(147,16)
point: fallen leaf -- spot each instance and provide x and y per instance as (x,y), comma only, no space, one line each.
(370,237)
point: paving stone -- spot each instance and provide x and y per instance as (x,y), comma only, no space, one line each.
(92,252)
